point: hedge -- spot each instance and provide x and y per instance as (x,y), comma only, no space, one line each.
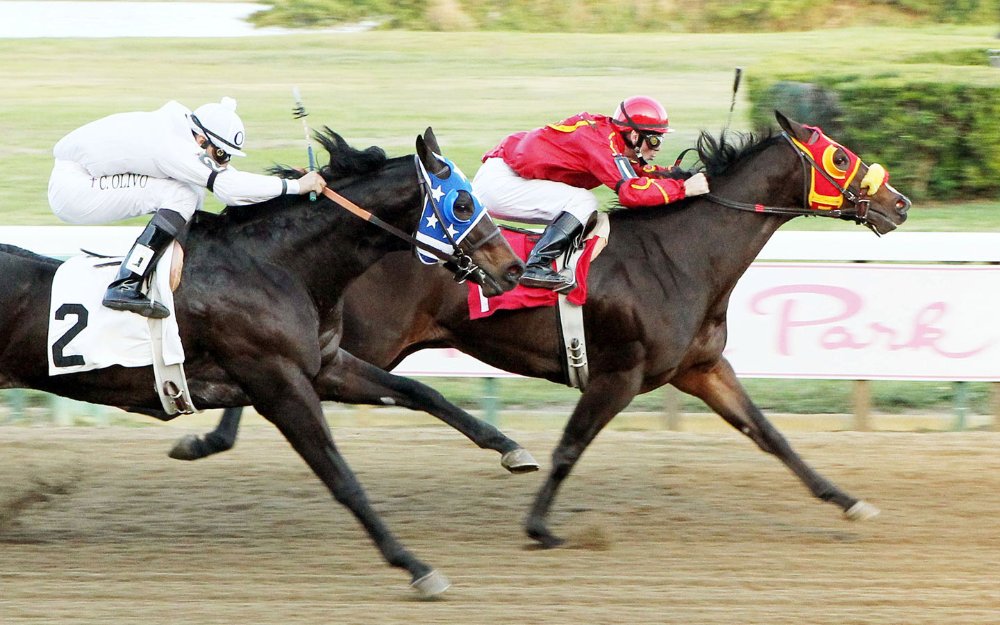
(937,129)
(622,16)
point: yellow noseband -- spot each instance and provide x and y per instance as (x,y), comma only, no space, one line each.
(873,180)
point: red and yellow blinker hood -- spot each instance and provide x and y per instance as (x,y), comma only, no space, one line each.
(824,195)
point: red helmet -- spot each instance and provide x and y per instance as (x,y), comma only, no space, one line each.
(643,114)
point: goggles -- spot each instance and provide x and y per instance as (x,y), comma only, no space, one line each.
(652,139)
(219,155)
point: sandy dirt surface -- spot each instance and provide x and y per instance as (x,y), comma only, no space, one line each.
(98,526)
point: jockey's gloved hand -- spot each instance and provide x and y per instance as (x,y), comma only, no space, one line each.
(313,182)
(696,185)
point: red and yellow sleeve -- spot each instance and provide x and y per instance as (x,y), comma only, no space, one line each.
(647,191)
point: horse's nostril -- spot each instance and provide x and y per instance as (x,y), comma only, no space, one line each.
(515,271)
(902,205)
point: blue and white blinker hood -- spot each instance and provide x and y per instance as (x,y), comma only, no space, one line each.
(439,227)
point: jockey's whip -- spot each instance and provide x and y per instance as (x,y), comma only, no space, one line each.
(732,103)
(299,112)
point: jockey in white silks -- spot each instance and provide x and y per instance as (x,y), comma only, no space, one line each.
(161,162)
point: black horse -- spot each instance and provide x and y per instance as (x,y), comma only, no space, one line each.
(259,316)
(656,309)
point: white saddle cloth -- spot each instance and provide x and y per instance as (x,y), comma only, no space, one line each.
(91,336)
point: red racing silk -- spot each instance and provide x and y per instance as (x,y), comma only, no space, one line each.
(586,151)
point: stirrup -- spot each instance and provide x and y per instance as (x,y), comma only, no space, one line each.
(148,309)
(551,280)
(117,298)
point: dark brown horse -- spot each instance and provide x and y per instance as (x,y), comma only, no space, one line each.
(260,319)
(656,309)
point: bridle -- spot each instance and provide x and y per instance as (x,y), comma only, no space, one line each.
(459,262)
(860,202)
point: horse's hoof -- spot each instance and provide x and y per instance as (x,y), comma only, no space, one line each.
(431,585)
(861,511)
(549,541)
(189,447)
(519,461)
(545,540)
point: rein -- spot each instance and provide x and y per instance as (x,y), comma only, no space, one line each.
(460,262)
(859,214)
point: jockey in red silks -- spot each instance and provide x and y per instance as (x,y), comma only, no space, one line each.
(161,162)
(545,176)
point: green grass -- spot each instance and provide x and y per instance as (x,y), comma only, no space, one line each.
(384,87)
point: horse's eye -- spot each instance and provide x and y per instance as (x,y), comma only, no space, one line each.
(464,206)
(841,160)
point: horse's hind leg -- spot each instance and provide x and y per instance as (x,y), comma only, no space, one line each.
(293,406)
(222,438)
(350,380)
(719,387)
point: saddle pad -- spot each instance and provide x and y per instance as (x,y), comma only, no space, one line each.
(527,297)
(84,335)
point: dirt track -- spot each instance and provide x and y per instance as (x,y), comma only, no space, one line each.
(98,526)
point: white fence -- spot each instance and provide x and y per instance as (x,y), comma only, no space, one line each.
(909,306)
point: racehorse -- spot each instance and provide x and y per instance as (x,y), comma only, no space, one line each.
(259,315)
(656,305)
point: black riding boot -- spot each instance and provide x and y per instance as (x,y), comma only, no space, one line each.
(125,293)
(555,240)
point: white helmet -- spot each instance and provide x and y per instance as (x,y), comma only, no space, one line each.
(219,122)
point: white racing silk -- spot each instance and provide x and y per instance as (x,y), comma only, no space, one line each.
(159,144)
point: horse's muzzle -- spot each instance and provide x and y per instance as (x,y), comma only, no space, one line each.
(903,205)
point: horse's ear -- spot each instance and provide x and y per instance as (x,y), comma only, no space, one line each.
(426,147)
(792,127)
(431,140)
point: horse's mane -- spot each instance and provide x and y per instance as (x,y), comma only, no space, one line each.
(346,163)
(719,154)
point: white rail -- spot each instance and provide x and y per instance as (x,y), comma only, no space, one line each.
(921,247)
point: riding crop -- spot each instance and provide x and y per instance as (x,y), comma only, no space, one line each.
(299,112)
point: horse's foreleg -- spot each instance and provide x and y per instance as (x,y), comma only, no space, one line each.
(605,397)
(719,387)
(294,407)
(222,438)
(354,381)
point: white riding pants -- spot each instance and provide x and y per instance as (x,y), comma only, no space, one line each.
(509,196)
(79,198)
